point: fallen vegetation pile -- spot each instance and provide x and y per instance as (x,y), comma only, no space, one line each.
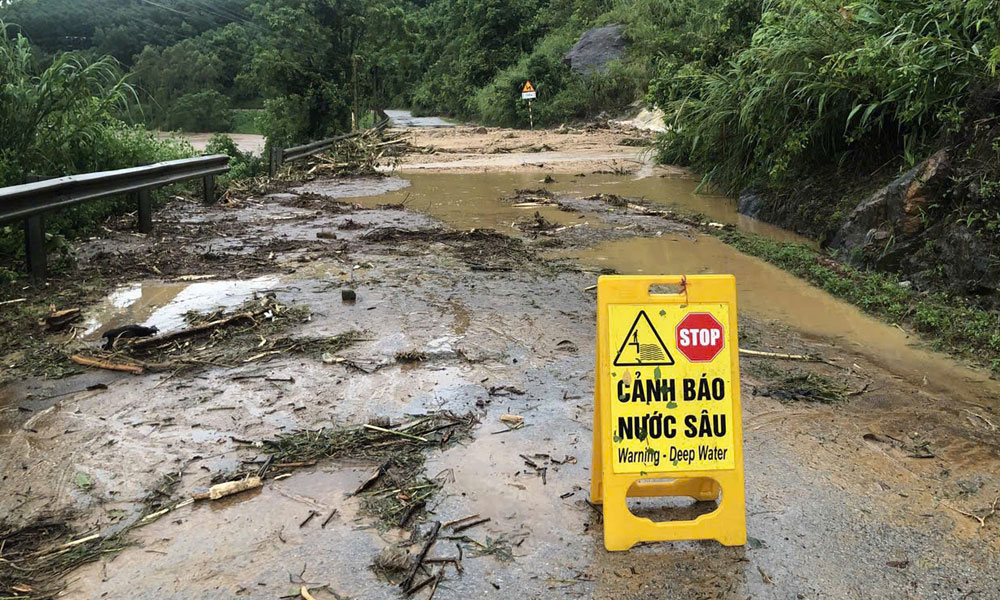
(363,154)
(526,198)
(398,489)
(220,339)
(34,558)
(481,249)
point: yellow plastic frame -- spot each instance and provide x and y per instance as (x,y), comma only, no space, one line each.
(622,529)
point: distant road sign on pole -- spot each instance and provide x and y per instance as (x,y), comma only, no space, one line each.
(528,93)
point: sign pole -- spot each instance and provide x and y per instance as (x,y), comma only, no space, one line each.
(528,94)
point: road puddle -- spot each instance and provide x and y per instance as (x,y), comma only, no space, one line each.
(476,199)
(164,304)
(405,119)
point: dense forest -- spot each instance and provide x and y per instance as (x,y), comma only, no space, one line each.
(192,62)
(811,103)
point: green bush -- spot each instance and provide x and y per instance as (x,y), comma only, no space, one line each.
(200,111)
(241,164)
(246,120)
(563,94)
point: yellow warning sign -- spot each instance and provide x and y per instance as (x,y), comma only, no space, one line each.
(528,92)
(667,405)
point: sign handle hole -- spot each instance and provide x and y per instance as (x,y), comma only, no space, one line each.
(660,509)
(666,289)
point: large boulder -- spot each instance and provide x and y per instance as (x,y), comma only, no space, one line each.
(897,210)
(750,203)
(596,48)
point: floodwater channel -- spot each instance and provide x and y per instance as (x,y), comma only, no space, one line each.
(765,291)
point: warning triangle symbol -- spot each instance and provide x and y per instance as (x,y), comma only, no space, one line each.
(642,346)
(527,87)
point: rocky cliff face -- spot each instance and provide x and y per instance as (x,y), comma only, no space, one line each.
(596,48)
(911,226)
(898,210)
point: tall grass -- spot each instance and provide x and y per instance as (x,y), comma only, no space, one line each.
(821,84)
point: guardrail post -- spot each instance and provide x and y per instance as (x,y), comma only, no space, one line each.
(277,157)
(145,201)
(34,246)
(209,184)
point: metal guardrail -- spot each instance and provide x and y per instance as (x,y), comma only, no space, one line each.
(280,156)
(30,201)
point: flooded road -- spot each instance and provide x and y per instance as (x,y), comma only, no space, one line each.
(405,119)
(866,495)
(476,200)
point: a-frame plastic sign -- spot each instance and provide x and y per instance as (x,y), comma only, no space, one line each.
(667,418)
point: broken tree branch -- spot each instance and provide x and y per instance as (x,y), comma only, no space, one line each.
(431,538)
(106,364)
(191,331)
(775,355)
(399,433)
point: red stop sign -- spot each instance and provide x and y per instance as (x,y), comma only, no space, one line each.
(700,337)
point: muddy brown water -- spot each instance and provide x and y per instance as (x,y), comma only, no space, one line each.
(765,291)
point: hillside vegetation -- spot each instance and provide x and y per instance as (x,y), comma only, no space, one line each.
(810,104)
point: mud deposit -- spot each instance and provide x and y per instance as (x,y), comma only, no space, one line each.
(865,472)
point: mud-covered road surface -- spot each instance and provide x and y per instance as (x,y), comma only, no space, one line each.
(869,473)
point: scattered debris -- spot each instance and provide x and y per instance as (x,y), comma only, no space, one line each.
(329,518)
(57,320)
(112,336)
(526,197)
(612,199)
(463,519)
(392,559)
(470,524)
(374,477)
(233,487)
(419,559)
(410,356)
(991,510)
(512,419)
(810,387)
(312,514)
(505,390)
(360,155)
(397,491)
(481,249)
(247,334)
(106,364)
(775,355)
(535,224)
(37,556)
